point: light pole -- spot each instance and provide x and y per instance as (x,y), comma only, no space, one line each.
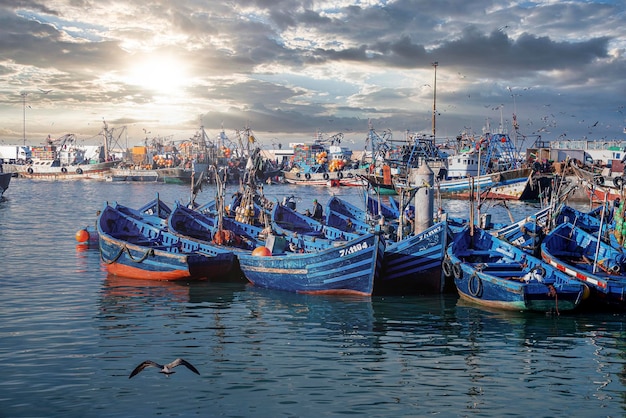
(435,64)
(24,94)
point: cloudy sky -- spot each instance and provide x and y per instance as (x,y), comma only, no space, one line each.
(288,69)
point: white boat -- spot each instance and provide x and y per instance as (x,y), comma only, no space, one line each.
(64,159)
(53,170)
(320,164)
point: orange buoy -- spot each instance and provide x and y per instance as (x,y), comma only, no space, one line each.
(82,235)
(262,252)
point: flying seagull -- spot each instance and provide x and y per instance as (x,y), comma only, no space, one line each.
(167,369)
(45,91)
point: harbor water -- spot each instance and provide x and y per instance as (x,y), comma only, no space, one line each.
(70,334)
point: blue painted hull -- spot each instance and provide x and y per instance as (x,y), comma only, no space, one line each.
(344,216)
(413,265)
(492,273)
(236,235)
(286,220)
(573,251)
(135,249)
(346,269)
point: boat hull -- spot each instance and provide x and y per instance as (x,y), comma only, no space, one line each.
(5,180)
(492,273)
(346,269)
(506,185)
(572,250)
(413,265)
(175,175)
(140,250)
(348,177)
(43,170)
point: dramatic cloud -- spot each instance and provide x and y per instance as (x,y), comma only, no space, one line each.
(290,68)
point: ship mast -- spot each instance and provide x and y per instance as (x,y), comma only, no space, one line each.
(435,64)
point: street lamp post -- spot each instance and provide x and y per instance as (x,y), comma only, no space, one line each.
(435,64)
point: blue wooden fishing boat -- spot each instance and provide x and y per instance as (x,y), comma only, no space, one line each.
(494,273)
(599,265)
(349,268)
(411,264)
(588,221)
(527,234)
(208,228)
(286,262)
(347,217)
(133,248)
(288,221)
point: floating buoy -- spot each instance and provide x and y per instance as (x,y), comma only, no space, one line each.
(262,252)
(82,235)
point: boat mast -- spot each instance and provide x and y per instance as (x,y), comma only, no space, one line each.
(435,64)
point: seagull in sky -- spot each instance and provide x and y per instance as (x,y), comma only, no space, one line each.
(45,91)
(165,369)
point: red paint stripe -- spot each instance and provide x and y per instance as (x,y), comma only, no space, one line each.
(136,273)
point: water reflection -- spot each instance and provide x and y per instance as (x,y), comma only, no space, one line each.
(347,314)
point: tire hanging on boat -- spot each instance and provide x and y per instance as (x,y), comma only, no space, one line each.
(63,170)
(339,175)
(457,271)
(446,266)
(475,285)
(326,176)
(30,170)
(307,176)
(79,170)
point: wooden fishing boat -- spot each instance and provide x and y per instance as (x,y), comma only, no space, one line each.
(173,175)
(347,217)
(319,176)
(526,234)
(288,221)
(493,273)
(601,193)
(207,227)
(411,264)
(133,248)
(41,169)
(286,262)
(581,255)
(349,268)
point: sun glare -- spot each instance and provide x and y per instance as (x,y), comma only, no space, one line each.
(162,74)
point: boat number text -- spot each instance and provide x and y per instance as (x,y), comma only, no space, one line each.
(353,249)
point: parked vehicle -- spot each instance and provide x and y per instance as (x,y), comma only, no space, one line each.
(14,154)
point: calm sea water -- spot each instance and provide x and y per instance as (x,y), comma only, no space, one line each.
(70,335)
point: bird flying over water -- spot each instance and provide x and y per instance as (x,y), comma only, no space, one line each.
(45,91)
(165,369)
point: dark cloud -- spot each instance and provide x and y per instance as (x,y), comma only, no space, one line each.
(291,66)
